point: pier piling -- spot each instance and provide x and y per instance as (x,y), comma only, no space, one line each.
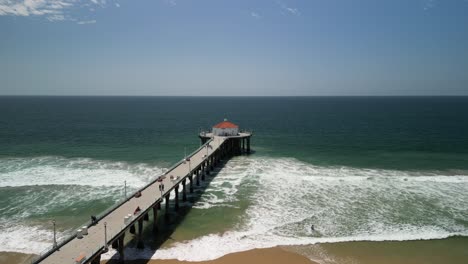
(140,234)
(176,199)
(184,191)
(97,259)
(121,248)
(167,206)
(191,182)
(155,218)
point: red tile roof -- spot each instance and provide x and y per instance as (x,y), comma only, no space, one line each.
(225,124)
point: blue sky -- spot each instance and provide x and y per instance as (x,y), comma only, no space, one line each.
(215,47)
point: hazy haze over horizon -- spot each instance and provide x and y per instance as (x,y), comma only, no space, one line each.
(241,48)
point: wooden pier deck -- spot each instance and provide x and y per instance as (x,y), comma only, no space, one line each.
(110,229)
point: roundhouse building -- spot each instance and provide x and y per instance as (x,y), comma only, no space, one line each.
(225,128)
(238,140)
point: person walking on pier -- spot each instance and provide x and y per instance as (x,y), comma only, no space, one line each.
(137,210)
(93,220)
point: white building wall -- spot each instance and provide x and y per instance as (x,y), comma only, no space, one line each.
(225,131)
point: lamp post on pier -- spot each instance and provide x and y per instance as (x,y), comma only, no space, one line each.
(105,237)
(55,235)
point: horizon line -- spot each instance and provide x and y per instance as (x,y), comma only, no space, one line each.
(273,96)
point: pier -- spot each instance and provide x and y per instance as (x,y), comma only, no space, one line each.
(109,230)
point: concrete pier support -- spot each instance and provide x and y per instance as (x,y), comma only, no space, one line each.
(146,217)
(155,218)
(191,182)
(115,244)
(248,145)
(184,191)
(140,234)
(96,260)
(121,248)
(132,229)
(205,170)
(201,171)
(176,199)
(197,176)
(167,206)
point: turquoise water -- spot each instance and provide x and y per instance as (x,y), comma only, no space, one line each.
(358,168)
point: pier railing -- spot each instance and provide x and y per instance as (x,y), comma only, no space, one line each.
(111,233)
(204,132)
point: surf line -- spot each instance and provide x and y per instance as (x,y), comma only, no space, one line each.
(90,241)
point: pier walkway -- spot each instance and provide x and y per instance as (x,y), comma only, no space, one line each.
(110,229)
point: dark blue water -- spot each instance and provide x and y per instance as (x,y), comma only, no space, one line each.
(379,132)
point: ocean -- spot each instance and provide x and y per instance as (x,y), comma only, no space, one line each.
(357,168)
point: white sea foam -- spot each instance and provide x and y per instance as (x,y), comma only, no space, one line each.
(224,187)
(16,172)
(215,245)
(344,204)
(46,186)
(287,196)
(25,239)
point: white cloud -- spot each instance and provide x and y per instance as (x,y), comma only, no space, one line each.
(86,22)
(170,2)
(52,10)
(117,4)
(255,15)
(292,11)
(429,4)
(56,17)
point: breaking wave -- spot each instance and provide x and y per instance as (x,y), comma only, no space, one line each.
(285,198)
(35,190)
(343,204)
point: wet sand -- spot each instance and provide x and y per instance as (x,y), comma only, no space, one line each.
(450,251)
(274,255)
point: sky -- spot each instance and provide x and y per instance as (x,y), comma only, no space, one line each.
(234,48)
